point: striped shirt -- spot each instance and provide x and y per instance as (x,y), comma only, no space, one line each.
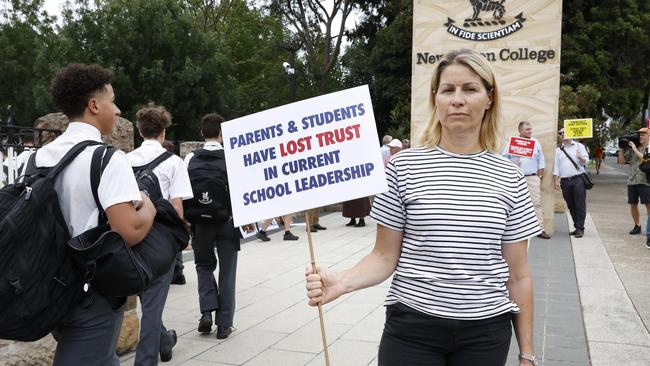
(455,212)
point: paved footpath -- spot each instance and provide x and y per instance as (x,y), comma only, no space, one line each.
(591,299)
(276,327)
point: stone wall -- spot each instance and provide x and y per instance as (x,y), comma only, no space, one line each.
(121,137)
(189,146)
(27,354)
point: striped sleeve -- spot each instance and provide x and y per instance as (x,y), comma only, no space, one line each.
(388,207)
(521,223)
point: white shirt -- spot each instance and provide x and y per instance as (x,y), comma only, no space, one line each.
(563,166)
(2,173)
(172,173)
(209,145)
(78,206)
(456,212)
(529,166)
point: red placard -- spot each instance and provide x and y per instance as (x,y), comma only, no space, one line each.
(520,146)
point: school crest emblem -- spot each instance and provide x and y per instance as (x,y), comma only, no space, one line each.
(205,198)
(485,14)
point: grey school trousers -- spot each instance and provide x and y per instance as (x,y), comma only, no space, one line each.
(89,335)
(219,297)
(152,301)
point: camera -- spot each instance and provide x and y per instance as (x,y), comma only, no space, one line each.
(624,141)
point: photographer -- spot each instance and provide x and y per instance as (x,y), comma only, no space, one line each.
(637,184)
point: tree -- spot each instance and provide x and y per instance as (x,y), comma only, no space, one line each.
(25,36)
(380,55)
(314,26)
(158,53)
(606,43)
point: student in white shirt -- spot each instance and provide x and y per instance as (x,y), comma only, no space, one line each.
(84,93)
(175,187)
(215,295)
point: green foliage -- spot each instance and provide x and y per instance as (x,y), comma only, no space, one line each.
(606,43)
(25,33)
(158,54)
(380,55)
(582,102)
(193,60)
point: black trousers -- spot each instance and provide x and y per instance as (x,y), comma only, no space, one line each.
(417,339)
(575,196)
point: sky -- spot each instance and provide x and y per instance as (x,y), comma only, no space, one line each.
(54,7)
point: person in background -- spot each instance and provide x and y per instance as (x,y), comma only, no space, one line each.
(568,178)
(638,187)
(446,258)
(599,155)
(533,169)
(179,277)
(394,146)
(356,209)
(175,187)
(215,296)
(385,149)
(406,144)
(286,221)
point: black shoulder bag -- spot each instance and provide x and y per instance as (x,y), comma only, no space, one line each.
(111,266)
(589,184)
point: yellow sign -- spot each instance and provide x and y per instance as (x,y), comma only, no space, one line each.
(578,128)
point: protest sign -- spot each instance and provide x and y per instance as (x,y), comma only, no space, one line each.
(520,146)
(303,155)
(578,128)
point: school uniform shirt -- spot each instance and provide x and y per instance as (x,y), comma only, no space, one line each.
(456,212)
(563,167)
(3,177)
(171,173)
(117,184)
(209,145)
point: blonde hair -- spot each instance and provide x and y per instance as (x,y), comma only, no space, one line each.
(490,134)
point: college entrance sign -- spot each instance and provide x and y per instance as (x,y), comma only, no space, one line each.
(521,40)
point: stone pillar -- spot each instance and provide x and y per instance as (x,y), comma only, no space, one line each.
(189,146)
(560,205)
(39,353)
(130,332)
(121,137)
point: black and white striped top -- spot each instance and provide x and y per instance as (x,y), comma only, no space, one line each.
(455,212)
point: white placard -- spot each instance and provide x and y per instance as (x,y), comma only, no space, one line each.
(303,155)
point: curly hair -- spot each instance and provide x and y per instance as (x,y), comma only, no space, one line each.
(152,120)
(211,125)
(75,84)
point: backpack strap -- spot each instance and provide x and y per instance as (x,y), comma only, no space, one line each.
(153,164)
(68,157)
(31,168)
(101,156)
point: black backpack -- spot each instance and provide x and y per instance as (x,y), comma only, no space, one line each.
(147,180)
(209,179)
(39,283)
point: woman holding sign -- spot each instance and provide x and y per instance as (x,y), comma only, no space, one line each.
(453,228)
